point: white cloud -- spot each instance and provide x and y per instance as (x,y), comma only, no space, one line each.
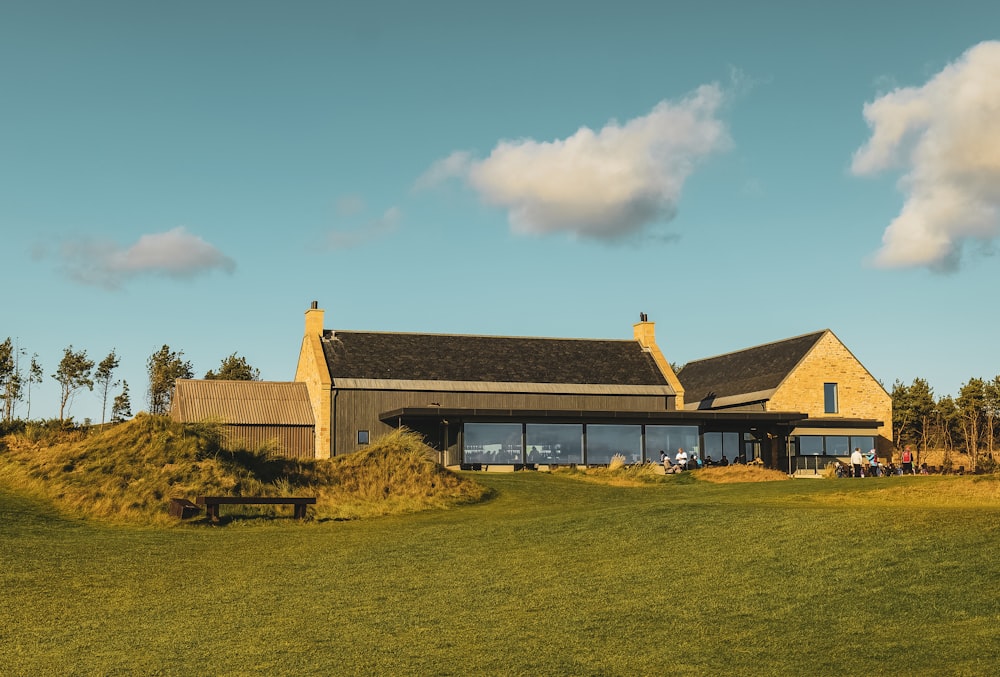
(606,184)
(376,228)
(945,137)
(175,253)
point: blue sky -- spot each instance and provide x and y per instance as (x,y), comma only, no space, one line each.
(196,173)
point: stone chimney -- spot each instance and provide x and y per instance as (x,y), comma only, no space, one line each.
(645,333)
(314,320)
(312,370)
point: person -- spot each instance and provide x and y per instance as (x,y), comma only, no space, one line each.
(682,458)
(907,458)
(856,460)
(724,461)
(873,462)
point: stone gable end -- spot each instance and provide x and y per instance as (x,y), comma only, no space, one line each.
(859,394)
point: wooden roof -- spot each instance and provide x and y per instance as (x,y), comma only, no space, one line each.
(489,359)
(753,372)
(242,402)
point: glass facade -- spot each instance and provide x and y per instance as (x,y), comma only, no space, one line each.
(718,445)
(492,443)
(670,438)
(604,441)
(833,445)
(554,443)
(596,444)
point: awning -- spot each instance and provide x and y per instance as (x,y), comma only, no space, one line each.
(868,432)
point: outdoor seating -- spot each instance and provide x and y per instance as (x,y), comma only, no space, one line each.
(212,503)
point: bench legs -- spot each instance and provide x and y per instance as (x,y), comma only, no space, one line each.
(300,511)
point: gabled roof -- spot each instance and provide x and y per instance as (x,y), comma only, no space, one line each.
(389,356)
(746,375)
(241,402)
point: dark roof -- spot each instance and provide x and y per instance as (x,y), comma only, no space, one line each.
(745,371)
(443,357)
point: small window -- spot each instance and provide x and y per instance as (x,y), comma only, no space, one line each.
(362,437)
(830,404)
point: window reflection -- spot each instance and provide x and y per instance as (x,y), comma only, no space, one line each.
(554,443)
(492,443)
(604,441)
(670,438)
(718,445)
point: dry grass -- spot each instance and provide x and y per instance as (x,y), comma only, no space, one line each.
(616,474)
(128,473)
(948,491)
(734,474)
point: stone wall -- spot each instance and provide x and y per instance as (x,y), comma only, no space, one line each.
(859,395)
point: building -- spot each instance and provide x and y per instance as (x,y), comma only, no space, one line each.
(516,401)
(846,407)
(252,413)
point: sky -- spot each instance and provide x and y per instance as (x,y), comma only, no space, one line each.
(195,174)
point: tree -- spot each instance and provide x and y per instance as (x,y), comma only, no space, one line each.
(121,408)
(72,374)
(103,376)
(234,368)
(912,412)
(991,393)
(10,382)
(165,367)
(972,412)
(34,376)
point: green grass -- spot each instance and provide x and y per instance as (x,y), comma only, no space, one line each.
(552,576)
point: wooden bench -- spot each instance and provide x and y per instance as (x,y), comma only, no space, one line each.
(212,503)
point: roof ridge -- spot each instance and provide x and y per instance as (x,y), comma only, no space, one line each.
(761,345)
(334,332)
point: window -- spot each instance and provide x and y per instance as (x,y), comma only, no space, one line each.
(830,398)
(604,441)
(554,442)
(492,443)
(362,437)
(670,438)
(718,445)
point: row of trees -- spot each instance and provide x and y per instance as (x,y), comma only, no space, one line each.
(969,422)
(76,372)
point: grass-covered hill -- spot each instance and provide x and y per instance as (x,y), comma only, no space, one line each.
(129,472)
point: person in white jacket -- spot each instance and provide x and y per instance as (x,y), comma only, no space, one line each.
(856,461)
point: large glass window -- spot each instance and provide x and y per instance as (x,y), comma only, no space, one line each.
(863,442)
(670,438)
(833,445)
(838,445)
(604,441)
(492,443)
(830,404)
(811,445)
(718,445)
(554,443)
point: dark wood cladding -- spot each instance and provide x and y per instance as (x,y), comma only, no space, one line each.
(354,410)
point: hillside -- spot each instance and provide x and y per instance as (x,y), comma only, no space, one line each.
(128,473)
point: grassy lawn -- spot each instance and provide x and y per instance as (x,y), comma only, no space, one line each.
(553,576)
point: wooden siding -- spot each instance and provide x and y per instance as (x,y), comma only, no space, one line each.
(291,441)
(354,410)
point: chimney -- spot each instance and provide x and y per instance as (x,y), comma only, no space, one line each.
(645,331)
(314,320)
(645,334)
